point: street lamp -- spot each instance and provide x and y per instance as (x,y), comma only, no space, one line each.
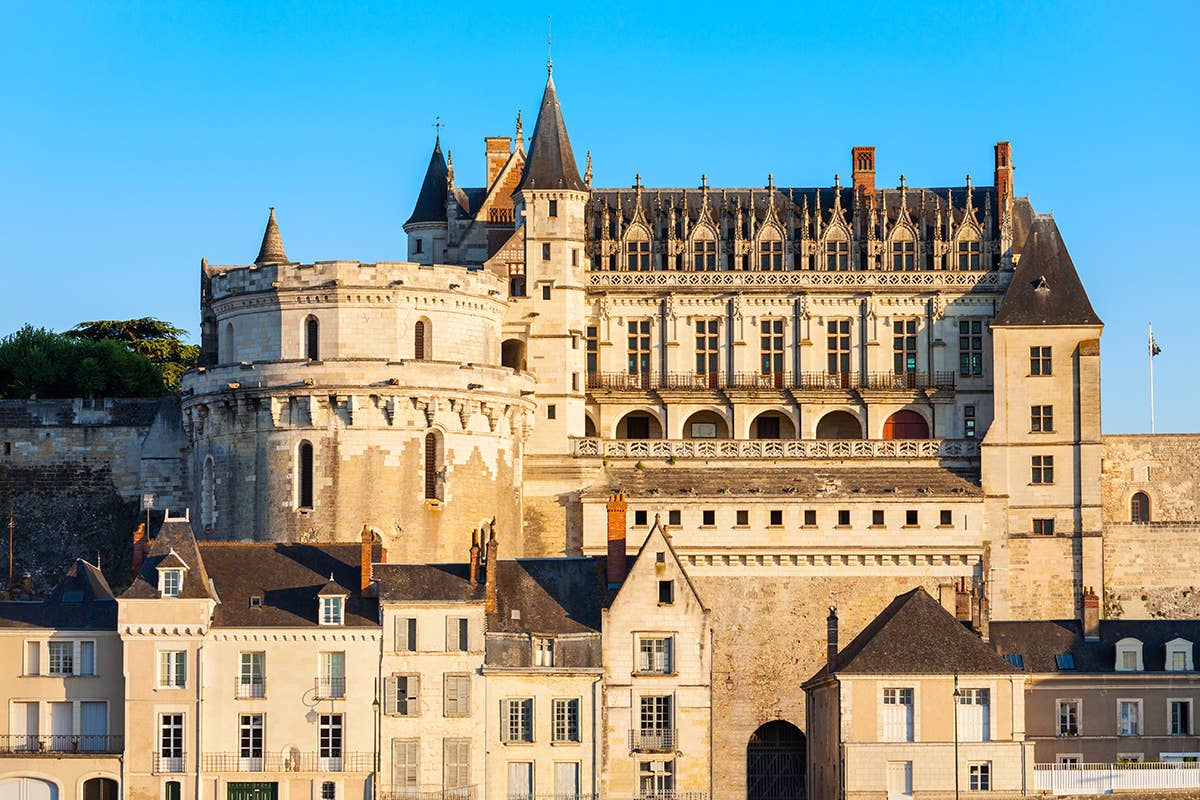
(957,695)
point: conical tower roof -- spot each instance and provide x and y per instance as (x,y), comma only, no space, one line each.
(431,202)
(271,251)
(551,164)
(1045,288)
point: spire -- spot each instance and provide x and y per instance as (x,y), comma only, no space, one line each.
(1045,288)
(587,172)
(431,202)
(551,164)
(271,251)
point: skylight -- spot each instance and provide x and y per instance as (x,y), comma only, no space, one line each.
(1065,661)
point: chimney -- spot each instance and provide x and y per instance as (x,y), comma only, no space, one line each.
(491,576)
(862,162)
(985,616)
(616,538)
(497,150)
(975,616)
(366,556)
(831,644)
(1091,615)
(1004,174)
(962,602)
(947,597)
(474,556)
(141,546)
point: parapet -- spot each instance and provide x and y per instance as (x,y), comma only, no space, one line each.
(234,280)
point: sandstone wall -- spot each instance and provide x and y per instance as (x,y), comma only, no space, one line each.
(1152,570)
(1164,466)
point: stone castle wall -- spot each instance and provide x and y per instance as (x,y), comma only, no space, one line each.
(1164,466)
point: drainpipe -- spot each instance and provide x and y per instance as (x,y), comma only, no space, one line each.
(378,711)
(711,747)
(199,708)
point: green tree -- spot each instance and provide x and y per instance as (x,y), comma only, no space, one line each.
(160,343)
(37,361)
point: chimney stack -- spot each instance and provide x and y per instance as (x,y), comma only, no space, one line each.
(962,602)
(491,575)
(947,596)
(862,162)
(497,150)
(617,509)
(1004,174)
(1091,615)
(831,645)
(475,557)
(366,556)
(985,616)
(141,546)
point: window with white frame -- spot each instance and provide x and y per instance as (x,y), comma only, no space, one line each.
(565,719)
(898,715)
(1129,655)
(1068,717)
(329,743)
(333,610)
(655,720)
(655,654)
(62,658)
(979,776)
(172,669)
(170,582)
(517,720)
(250,741)
(331,678)
(520,779)
(328,790)
(252,674)
(1179,656)
(1129,717)
(406,635)
(170,741)
(456,763)
(33,658)
(1179,717)
(974,715)
(543,652)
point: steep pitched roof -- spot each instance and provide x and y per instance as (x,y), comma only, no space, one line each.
(552,595)
(1039,642)
(174,541)
(271,251)
(914,635)
(426,583)
(431,202)
(655,538)
(80,601)
(1045,289)
(551,163)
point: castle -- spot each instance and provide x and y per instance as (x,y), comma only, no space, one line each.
(822,394)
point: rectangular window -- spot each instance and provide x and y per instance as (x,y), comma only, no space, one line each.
(655,719)
(406,764)
(592,348)
(545,251)
(654,654)
(418,245)
(837,255)
(456,772)
(974,715)
(968,254)
(770,349)
(331,610)
(1043,469)
(639,517)
(970,347)
(770,255)
(171,580)
(33,660)
(1180,712)
(565,718)
(1068,717)
(898,715)
(1041,419)
(408,695)
(704,255)
(639,349)
(329,743)
(666,592)
(1177,661)
(1043,527)
(776,517)
(837,344)
(743,517)
(904,346)
(62,658)
(332,677)
(810,517)
(553,212)
(968,422)
(517,719)
(251,674)
(170,741)
(520,780)
(904,255)
(979,776)
(543,652)
(877,518)
(1129,717)
(843,517)
(656,779)
(172,669)
(946,518)
(456,635)
(250,741)
(551,411)
(566,779)
(456,695)
(708,348)
(675,517)
(406,634)
(637,255)
(911,518)
(1039,361)
(708,517)
(546,291)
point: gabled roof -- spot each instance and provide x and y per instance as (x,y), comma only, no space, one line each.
(657,537)
(96,608)
(1045,288)
(426,583)
(171,561)
(551,163)
(332,589)
(1038,642)
(914,635)
(431,202)
(271,251)
(175,542)
(552,595)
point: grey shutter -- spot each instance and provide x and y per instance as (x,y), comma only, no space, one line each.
(401,635)
(451,633)
(389,696)
(414,694)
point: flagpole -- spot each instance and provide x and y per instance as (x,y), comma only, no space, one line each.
(1150,351)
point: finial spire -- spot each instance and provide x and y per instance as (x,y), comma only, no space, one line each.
(271,251)
(520,128)
(902,181)
(587,172)
(837,180)
(703,180)
(450,168)
(438,125)
(549,48)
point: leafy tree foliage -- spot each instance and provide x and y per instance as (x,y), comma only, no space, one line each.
(36,361)
(161,343)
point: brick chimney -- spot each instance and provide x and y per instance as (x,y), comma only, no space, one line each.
(141,546)
(474,556)
(831,638)
(862,163)
(1004,174)
(1091,615)
(366,556)
(984,629)
(497,150)
(617,567)
(491,592)
(962,602)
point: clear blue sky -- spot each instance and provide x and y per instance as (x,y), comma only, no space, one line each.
(138,138)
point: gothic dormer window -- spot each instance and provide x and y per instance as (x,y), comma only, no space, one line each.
(637,250)
(837,250)
(704,251)
(904,250)
(770,250)
(969,251)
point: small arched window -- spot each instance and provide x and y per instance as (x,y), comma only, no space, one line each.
(1139,508)
(837,250)
(704,250)
(304,475)
(637,250)
(433,460)
(312,339)
(422,340)
(228,352)
(208,495)
(904,250)
(770,250)
(969,251)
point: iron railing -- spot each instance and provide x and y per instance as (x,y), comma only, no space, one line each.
(254,688)
(59,744)
(775,381)
(652,740)
(168,764)
(330,688)
(294,761)
(428,793)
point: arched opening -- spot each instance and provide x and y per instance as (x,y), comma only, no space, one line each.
(172,790)
(772,425)
(27,789)
(837,250)
(304,475)
(433,463)
(770,249)
(228,352)
(208,498)
(312,339)
(839,425)
(904,250)
(422,340)
(704,249)
(99,789)
(905,425)
(775,762)
(639,425)
(1139,508)
(705,425)
(512,354)
(589,426)
(637,249)
(968,248)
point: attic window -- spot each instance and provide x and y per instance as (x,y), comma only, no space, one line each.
(333,610)
(170,582)
(666,593)
(256,601)
(660,557)
(1129,655)
(1041,285)
(1015,659)
(1179,656)
(1064,661)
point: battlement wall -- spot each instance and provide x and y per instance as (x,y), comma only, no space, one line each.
(234,280)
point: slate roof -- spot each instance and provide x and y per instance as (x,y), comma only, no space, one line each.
(289,578)
(426,583)
(173,535)
(818,483)
(1039,641)
(914,635)
(1045,288)
(553,595)
(95,610)
(271,251)
(551,163)
(431,202)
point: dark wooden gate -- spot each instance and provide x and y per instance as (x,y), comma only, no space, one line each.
(775,763)
(253,791)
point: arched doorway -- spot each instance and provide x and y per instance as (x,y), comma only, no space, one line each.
(99,789)
(839,425)
(27,789)
(639,425)
(589,426)
(906,425)
(512,354)
(705,425)
(772,425)
(775,762)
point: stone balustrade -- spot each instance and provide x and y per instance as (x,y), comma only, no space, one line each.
(592,447)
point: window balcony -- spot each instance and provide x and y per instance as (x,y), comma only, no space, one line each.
(330,688)
(243,689)
(438,793)
(171,764)
(84,744)
(293,761)
(652,740)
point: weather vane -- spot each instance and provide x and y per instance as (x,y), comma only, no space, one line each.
(549,47)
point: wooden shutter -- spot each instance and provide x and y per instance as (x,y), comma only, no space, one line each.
(389,696)
(405,634)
